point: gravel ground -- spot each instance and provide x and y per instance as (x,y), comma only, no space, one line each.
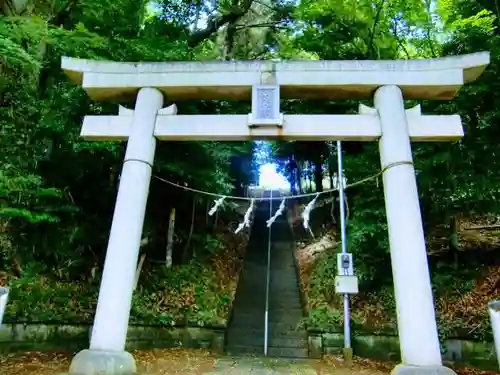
(197,362)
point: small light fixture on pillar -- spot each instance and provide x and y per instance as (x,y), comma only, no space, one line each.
(265,106)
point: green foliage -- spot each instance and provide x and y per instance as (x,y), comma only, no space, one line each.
(189,294)
(324,318)
(32,198)
(21,44)
(33,298)
(52,181)
(198,303)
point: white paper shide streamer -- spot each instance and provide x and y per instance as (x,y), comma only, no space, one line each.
(281,208)
(217,204)
(246,218)
(336,182)
(307,212)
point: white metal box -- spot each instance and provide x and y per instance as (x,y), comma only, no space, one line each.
(346,284)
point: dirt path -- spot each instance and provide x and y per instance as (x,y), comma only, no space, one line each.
(198,362)
(182,361)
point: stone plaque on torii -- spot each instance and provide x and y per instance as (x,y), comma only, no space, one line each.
(389,83)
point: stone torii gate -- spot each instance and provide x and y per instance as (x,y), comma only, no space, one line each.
(388,82)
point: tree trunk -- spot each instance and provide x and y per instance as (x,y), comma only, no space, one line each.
(187,251)
(138,271)
(453,241)
(299,177)
(170,237)
(330,173)
(293,182)
(293,175)
(318,175)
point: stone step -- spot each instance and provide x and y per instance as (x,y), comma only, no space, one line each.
(260,260)
(291,325)
(249,272)
(294,336)
(288,283)
(275,341)
(250,299)
(282,290)
(242,332)
(259,294)
(275,311)
(258,321)
(272,351)
(285,298)
(245,350)
(283,276)
(260,306)
(274,331)
(288,352)
(240,323)
(285,309)
(248,302)
(233,340)
(280,318)
(283,270)
(254,290)
(284,342)
(254,319)
(276,326)
(275,291)
(284,295)
(288,288)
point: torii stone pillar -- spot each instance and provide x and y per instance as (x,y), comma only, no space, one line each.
(419,342)
(389,81)
(109,332)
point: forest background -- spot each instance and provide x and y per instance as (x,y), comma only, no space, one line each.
(57,191)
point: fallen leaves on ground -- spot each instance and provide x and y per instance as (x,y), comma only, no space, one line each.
(470,307)
(149,362)
(173,361)
(34,363)
(375,366)
(192,362)
(359,366)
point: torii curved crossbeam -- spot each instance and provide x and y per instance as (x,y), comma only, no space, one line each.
(435,79)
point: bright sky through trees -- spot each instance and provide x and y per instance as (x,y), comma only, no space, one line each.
(270,178)
(268,174)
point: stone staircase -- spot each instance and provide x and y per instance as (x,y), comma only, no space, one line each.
(245,334)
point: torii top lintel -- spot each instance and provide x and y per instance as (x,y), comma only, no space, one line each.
(233,80)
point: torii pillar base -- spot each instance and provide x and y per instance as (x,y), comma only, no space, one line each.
(103,362)
(422,370)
